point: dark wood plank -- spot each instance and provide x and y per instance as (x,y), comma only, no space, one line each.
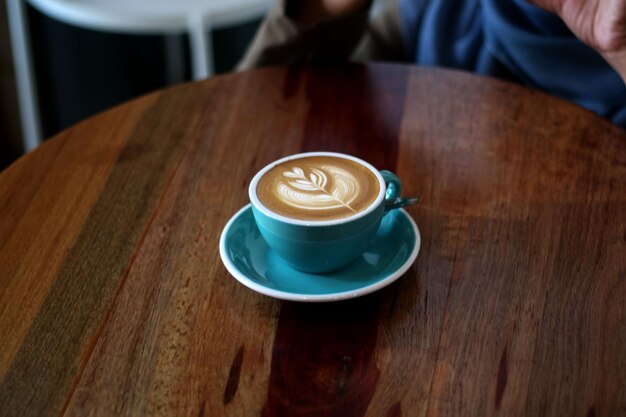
(324,361)
(324,355)
(356,110)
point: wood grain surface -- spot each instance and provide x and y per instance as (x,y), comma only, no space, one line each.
(114,301)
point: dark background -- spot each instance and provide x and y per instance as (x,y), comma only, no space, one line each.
(81,72)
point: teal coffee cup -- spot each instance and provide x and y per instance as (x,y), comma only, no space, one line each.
(327,181)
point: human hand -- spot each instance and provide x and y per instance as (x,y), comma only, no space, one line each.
(313,11)
(601,24)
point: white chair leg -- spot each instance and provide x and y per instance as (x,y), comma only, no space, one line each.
(24,74)
(201,43)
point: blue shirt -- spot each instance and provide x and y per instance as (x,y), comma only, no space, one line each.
(514,40)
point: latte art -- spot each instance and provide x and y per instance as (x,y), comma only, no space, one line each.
(314,193)
(318,188)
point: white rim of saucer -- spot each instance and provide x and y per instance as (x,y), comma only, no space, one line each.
(382,189)
(315,298)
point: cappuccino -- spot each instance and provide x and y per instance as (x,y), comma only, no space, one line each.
(318,188)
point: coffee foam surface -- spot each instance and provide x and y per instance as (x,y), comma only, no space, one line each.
(318,188)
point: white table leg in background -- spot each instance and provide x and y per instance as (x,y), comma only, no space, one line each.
(201,44)
(24,74)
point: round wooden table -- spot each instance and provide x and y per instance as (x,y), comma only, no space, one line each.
(114,301)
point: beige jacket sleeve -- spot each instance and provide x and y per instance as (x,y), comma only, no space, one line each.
(283,41)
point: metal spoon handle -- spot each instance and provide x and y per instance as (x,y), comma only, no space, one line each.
(401,202)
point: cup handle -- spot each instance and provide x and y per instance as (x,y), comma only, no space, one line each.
(392,195)
(394,188)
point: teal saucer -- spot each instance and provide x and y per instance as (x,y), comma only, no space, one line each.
(248,258)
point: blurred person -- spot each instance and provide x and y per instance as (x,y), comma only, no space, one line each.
(574,49)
